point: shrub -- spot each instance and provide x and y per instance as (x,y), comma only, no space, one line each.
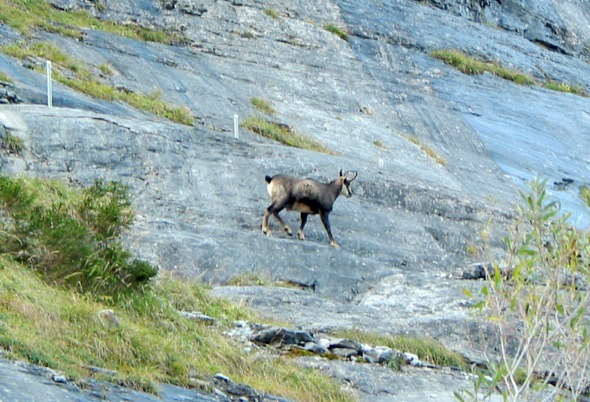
(71,237)
(537,301)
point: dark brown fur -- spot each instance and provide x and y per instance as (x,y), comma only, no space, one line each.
(306,196)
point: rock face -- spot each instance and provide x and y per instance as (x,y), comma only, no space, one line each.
(407,233)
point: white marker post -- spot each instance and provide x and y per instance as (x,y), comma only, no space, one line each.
(49,85)
(236,127)
(381,163)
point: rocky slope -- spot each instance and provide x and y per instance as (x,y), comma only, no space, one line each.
(405,235)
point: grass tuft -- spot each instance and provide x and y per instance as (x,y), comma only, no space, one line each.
(563,87)
(426,349)
(468,65)
(336,30)
(283,133)
(26,16)
(75,74)
(272,13)
(427,150)
(585,194)
(5,78)
(12,144)
(246,279)
(471,66)
(262,105)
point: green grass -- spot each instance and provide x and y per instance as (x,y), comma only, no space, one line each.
(12,144)
(26,16)
(469,65)
(71,237)
(427,150)
(247,279)
(336,30)
(563,87)
(262,105)
(283,134)
(62,325)
(379,144)
(5,78)
(585,194)
(80,78)
(272,13)
(106,69)
(426,349)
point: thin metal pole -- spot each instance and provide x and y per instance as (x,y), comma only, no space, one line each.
(236,127)
(49,85)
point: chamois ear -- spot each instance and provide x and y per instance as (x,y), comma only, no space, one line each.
(341,173)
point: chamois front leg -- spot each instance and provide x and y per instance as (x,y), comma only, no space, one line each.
(326,221)
(300,234)
(274,209)
(285,227)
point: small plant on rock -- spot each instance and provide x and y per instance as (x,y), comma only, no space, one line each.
(272,13)
(262,105)
(12,144)
(5,78)
(336,30)
(282,133)
(585,194)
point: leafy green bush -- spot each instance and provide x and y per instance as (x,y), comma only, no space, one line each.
(71,237)
(538,302)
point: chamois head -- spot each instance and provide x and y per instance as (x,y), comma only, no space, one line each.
(346,180)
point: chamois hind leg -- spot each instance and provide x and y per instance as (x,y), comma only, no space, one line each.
(267,213)
(300,234)
(326,222)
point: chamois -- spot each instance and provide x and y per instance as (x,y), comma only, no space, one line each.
(306,196)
